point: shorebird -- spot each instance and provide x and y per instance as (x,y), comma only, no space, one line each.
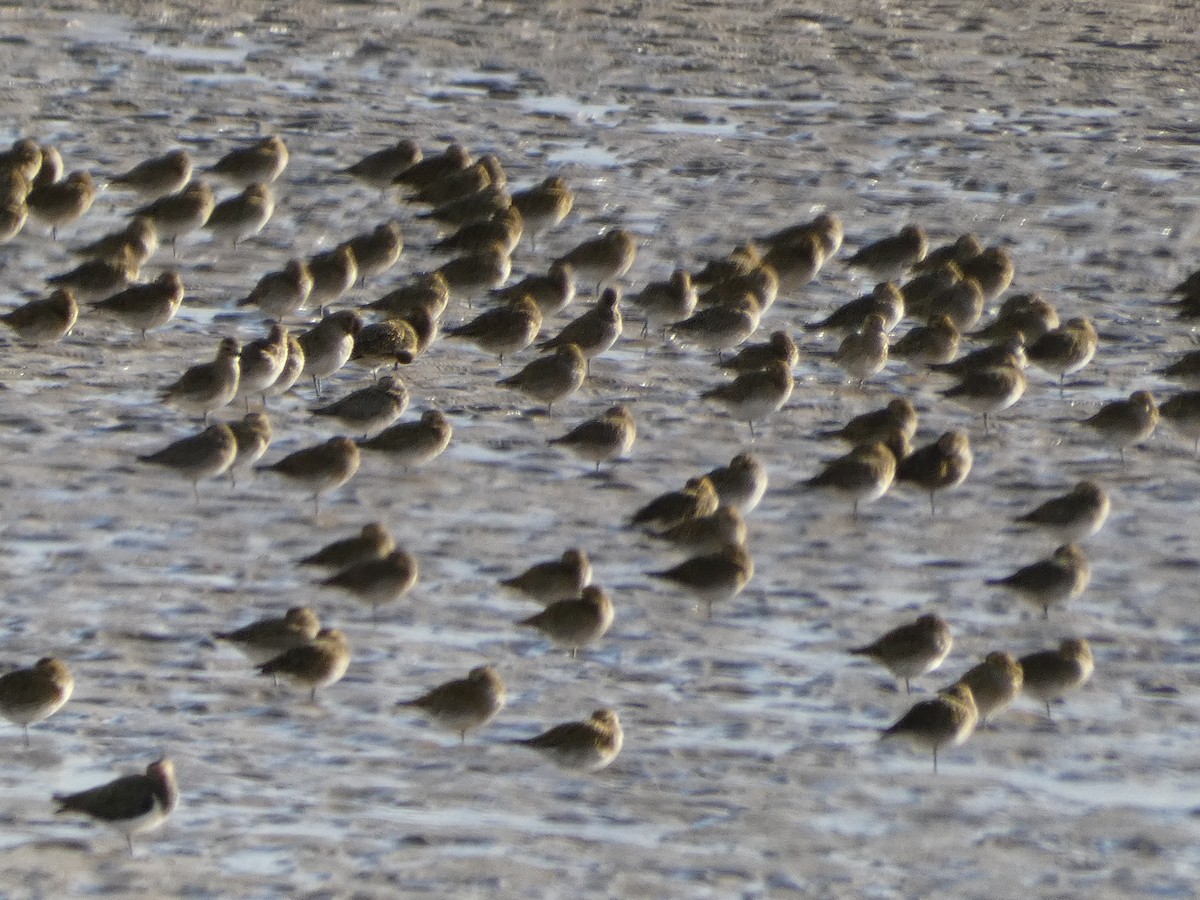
(32,695)
(465,704)
(320,468)
(1054,581)
(133,804)
(581,746)
(913,649)
(1052,674)
(262,641)
(947,720)
(553,580)
(207,386)
(317,664)
(157,176)
(204,455)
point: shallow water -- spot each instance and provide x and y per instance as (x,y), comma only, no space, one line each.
(751,765)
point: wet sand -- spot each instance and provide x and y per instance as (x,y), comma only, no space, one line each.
(751,765)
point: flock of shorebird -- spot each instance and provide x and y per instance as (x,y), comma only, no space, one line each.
(716,309)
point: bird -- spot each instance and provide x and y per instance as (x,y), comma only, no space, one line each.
(333,273)
(963,248)
(320,468)
(428,292)
(861,476)
(664,302)
(488,203)
(390,342)
(34,694)
(483,173)
(430,168)
(13,215)
(1182,410)
(262,641)
(552,291)
(373,541)
(995,683)
(1029,315)
(1186,369)
(552,377)
(913,649)
(1052,674)
(920,290)
(94,279)
(328,345)
(477,272)
(898,415)
(602,259)
(1007,353)
(741,484)
(884,300)
(796,262)
(376,582)
(1123,423)
(934,342)
(1064,350)
(989,390)
(946,720)
(1054,581)
(993,269)
(139,239)
(504,229)
(51,169)
(826,227)
(720,327)
(145,306)
(253,434)
(761,282)
(370,408)
(62,202)
(1074,516)
(595,330)
(156,177)
(377,250)
(502,329)
(207,386)
(779,347)
(602,439)
(465,704)
(204,455)
(939,466)
(962,303)
(243,215)
(24,156)
(263,161)
(261,362)
(317,664)
(891,257)
(544,206)
(755,395)
(46,319)
(712,577)
(708,534)
(740,261)
(292,367)
(697,498)
(411,444)
(380,168)
(581,746)
(864,352)
(181,213)
(132,804)
(553,580)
